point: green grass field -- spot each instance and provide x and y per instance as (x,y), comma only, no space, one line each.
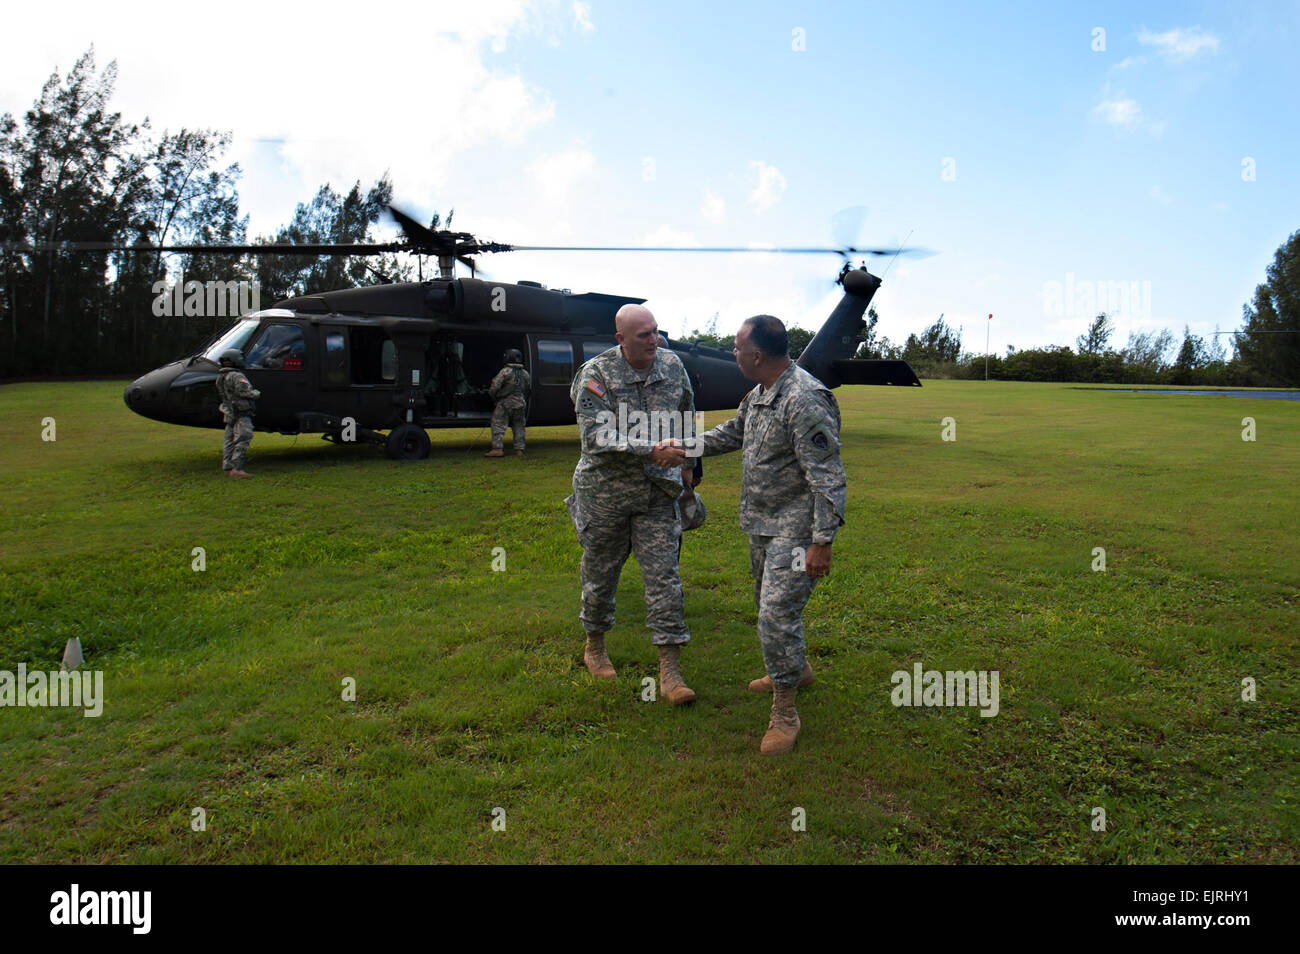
(1120,689)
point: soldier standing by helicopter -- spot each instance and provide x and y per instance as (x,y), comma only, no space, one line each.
(792,498)
(625,491)
(237,406)
(510,391)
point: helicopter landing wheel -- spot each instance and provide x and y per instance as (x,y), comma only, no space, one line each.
(408,442)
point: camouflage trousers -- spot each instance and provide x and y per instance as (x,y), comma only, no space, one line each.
(503,415)
(780,592)
(647,525)
(239,434)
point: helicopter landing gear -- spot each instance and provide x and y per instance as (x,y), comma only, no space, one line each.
(408,442)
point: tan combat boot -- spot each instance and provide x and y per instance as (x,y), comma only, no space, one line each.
(518,452)
(495,452)
(671,685)
(596,659)
(806,678)
(783,727)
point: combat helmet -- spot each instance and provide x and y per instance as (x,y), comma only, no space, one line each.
(513,356)
(233,356)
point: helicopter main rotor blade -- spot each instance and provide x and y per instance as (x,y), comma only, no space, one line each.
(419,235)
(274,248)
(914,251)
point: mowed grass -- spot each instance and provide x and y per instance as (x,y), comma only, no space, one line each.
(1120,690)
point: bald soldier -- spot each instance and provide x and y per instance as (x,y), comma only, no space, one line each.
(792,500)
(625,489)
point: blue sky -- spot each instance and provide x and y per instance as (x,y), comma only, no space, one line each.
(998,135)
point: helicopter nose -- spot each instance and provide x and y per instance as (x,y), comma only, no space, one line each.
(147,394)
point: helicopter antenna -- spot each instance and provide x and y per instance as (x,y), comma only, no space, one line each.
(895,258)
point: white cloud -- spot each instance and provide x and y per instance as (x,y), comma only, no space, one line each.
(356,123)
(1179,45)
(714,209)
(1123,112)
(582,16)
(770,184)
(1119,111)
(557,174)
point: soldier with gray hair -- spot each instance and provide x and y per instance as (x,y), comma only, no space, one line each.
(625,491)
(792,501)
(238,397)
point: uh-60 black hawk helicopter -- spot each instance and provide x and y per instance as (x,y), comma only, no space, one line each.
(406,357)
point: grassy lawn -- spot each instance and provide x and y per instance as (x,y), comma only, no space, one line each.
(223,688)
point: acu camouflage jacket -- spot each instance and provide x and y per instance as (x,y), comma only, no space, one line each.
(510,387)
(238,396)
(792,480)
(606,394)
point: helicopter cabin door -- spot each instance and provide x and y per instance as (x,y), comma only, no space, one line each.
(358,374)
(556,358)
(277,365)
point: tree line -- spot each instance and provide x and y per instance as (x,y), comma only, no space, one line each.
(1265,352)
(73,170)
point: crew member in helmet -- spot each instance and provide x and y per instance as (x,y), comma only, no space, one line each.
(509,389)
(237,408)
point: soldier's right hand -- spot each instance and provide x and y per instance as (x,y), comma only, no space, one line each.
(669,453)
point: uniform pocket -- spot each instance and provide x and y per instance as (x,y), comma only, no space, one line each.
(579,519)
(788,553)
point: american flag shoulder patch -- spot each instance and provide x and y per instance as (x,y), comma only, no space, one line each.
(596,388)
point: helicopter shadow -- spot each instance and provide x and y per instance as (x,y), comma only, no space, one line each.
(314,455)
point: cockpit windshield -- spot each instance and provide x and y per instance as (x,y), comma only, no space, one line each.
(236,338)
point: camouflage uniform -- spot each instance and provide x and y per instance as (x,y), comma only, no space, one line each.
(509,389)
(237,397)
(792,495)
(622,502)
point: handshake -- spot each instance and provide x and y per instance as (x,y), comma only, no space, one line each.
(669,453)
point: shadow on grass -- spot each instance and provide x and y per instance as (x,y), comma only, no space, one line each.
(309,453)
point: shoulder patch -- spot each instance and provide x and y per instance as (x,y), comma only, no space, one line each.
(819,440)
(596,388)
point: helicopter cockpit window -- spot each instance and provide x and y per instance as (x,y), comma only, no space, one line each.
(236,338)
(281,348)
(554,362)
(592,348)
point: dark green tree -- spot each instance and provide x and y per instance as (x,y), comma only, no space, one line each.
(1192,356)
(329,217)
(936,344)
(799,338)
(1147,353)
(1269,344)
(73,173)
(870,347)
(1095,339)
